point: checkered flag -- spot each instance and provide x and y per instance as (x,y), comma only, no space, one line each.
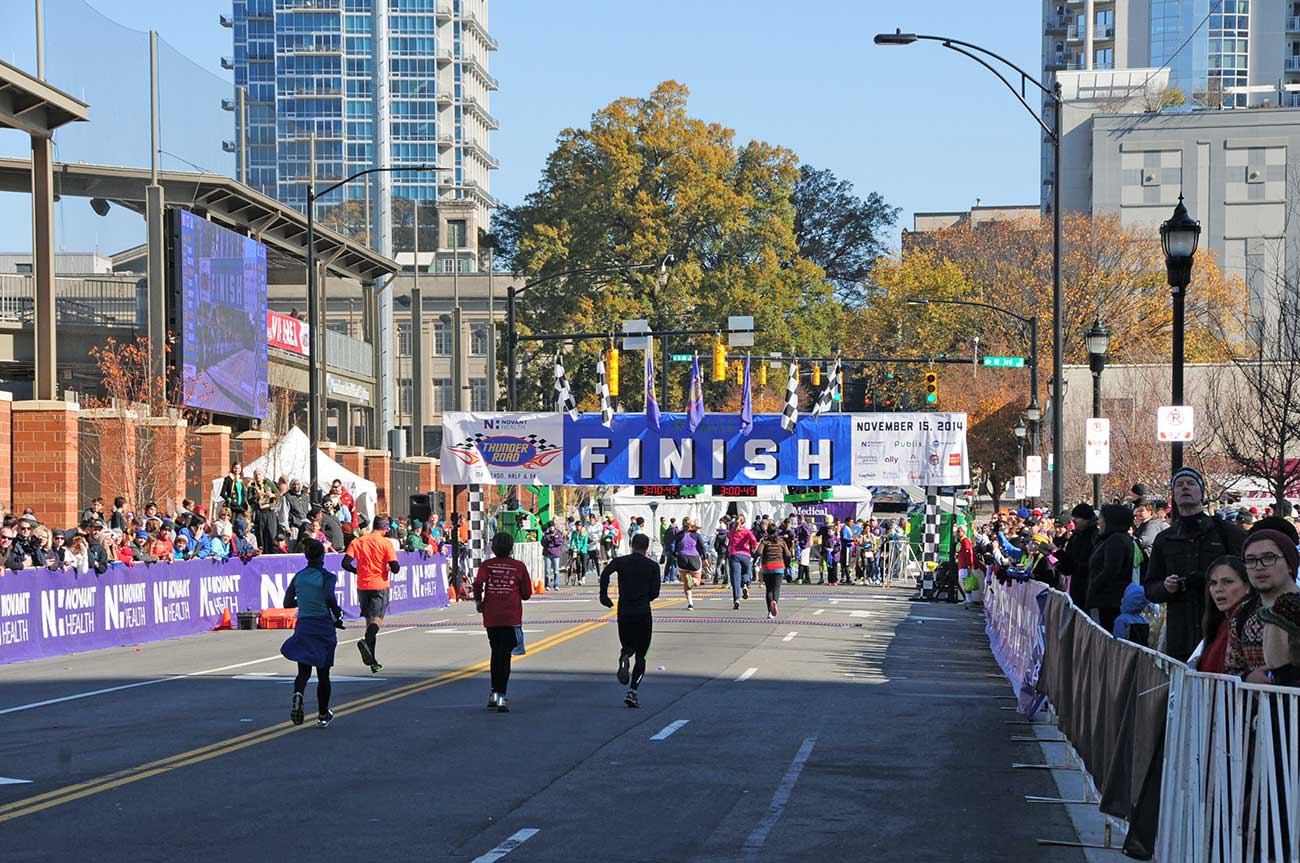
(826,400)
(790,413)
(606,408)
(563,395)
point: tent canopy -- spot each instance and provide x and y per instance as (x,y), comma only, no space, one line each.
(288,458)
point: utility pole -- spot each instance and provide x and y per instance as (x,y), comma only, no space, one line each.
(40,39)
(155,216)
(417,343)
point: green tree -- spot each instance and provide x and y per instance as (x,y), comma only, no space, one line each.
(840,232)
(647,180)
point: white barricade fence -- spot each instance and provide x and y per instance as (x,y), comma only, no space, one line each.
(1230,770)
(1230,791)
(531,554)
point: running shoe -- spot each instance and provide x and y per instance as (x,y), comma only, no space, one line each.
(376,668)
(295,712)
(624,675)
(493,700)
(502,706)
(367,655)
(323,720)
(631,699)
(735,605)
(772,608)
(744,593)
(690,604)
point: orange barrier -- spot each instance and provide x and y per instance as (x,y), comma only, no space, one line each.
(277,618)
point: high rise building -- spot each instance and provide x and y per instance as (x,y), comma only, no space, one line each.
(1220,53)
(379,83)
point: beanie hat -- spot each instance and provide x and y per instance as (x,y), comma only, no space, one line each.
(1022,512)
(1278,524)
(1281,540)
(1083,512)
(1190,472)
(1284,613)
(1117,517)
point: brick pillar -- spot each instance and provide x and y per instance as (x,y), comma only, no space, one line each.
(214,457)
(114,450)
(428,471)
(169,456)
(378,472)
(255,444)
(6,450)
(329,448)
(46,450)
(352,458)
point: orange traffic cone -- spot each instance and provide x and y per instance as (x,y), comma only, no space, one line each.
(225,620)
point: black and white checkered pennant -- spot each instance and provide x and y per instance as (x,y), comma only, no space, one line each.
(826,400)
(790,413)
(564,400)
(606,408)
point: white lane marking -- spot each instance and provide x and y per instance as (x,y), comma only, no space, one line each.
(536,600)
(820,611)
(93,692)
(670,729)
(936,619)
(790,636)
(468,631)
(880,599)
(507,846)
(281,678)
(749,672)
(758,838)
(5,780)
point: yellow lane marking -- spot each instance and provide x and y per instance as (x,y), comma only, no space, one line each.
(68,793)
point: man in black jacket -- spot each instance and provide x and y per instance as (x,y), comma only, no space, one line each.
(1110,569)
(11,556)
(638,586)
(1180,557)
(1078,551)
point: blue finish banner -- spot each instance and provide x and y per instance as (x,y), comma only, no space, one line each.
(630,452)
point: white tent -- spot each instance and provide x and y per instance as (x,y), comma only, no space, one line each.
(289,458)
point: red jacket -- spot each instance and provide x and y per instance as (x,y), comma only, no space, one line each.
(501,586)
(965,554)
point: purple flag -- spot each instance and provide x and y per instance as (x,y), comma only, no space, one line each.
(695,407)
(651,405)
(746,404)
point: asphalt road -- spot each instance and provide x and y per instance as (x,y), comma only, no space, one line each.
(857,727)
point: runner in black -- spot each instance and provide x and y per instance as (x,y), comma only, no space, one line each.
(638,586)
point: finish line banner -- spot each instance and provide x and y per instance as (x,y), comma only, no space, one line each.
(927,449)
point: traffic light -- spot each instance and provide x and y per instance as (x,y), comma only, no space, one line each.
(931,388)
(762,374)
(719,362)
(611,370)
(817,374)
(740,372)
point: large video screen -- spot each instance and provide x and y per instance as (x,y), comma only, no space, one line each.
(221,277)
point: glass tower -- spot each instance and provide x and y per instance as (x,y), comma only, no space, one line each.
(376,83)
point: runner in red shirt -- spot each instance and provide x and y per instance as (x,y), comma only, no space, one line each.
(500,587)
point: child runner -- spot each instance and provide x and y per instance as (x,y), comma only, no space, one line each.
(313,641)
(500,587)
(638,586)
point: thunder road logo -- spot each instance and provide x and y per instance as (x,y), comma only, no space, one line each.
(530,452)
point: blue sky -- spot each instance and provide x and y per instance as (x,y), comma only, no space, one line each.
(923,126)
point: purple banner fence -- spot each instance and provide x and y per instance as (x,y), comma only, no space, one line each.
(1013,612)
(45,613)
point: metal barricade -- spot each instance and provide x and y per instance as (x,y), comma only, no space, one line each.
(897,563)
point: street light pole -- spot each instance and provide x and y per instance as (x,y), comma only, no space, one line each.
(1098,339)
(1179,237)
(1053,93)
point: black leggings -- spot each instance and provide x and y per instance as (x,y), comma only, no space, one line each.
(502,639)
(634,640)
(772,585)
(322,685)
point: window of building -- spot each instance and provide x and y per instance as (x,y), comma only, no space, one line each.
(478,394)
(1104,58)
(1104,24)
(447,265)
(442,338)
(441,395)
(343,328)
(403,338)
(404,396)
(478,339)
(456,233)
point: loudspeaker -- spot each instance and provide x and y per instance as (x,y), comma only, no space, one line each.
(421,506)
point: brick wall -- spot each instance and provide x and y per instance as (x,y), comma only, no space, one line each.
(352,458)
(214,457)
(6,448)
(254,445)
(170,451)
(377,471)
(45,453)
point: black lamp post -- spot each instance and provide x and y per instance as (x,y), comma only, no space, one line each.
(1179,237)
(1098,339)
(1020,430)
(1053,96)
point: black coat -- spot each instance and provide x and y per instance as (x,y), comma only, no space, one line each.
(1110,569)
(1187,549)
(1074,563)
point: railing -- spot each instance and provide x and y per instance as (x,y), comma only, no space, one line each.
(349,355)
(1293,23)
(1074,32)
(1292,64)
(109,302)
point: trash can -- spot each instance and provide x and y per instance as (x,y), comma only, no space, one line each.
(248,620)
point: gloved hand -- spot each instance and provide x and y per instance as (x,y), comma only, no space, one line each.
(607,602)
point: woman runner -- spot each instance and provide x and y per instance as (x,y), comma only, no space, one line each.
(773,559)
(313,641)
(690,557)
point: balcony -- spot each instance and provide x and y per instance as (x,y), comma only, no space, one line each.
(1103,32)
(226,21)
(229,146)
(1073,33)
(1291,100)
(349,355)
(107,301)
(471,21)
(1293,24)
(476,66)
(1291,64)
(227,63)
(444,13)
(228,104)
(1054,24)
(320,46)
(482,153)
(487,119)
(443,56)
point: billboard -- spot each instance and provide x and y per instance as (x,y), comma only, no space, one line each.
(220,315)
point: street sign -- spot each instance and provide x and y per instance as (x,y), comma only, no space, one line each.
(1051,462)
(1018,488)
(1005,362)
(1033,476)
(1097,446)
(743,339)
(633,342)
(682,358)
(1174,423)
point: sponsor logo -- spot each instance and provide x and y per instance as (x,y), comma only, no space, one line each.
(426,578)
(504,424)
(934,459)
(14,609)
(171,600)
(125,606)
(217,593)
(506,451)
(954,459)
(68,611)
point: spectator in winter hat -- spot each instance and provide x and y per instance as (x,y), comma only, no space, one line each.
(1282,640)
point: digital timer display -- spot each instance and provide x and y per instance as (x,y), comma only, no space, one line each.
(735,491)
